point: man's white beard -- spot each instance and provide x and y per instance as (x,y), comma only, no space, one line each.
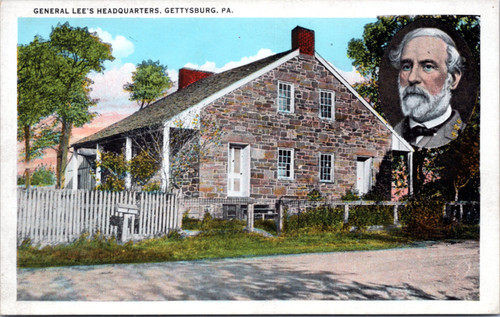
(418,104)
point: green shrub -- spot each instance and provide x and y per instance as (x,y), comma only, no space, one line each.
(42,176)
(25,244)
(463,231)
(266,225)
(422,217)
(314,195)
(207,221)
(190,223)
(215,226)
(365,216)
(350,196)
(319,219)
(174,235)
(152,187)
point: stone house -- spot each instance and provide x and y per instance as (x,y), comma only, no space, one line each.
(288,124)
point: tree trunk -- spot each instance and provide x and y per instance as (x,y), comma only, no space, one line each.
(27,173)
(62,153)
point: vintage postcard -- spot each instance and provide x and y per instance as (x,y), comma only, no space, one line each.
(237,157)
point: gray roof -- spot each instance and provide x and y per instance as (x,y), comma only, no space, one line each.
(167,107)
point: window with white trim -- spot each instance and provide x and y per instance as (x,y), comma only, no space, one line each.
(285,163)
(326,167)
(326,104)
(285,97)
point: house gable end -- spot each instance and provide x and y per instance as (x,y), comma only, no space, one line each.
(401,143)
(189,114)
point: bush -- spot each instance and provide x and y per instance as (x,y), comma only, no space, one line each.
(42,176)
(152,187)
(422,217)
(207,221)
(314,195)
(319,219)
(266,225)
(350,196)
(190,223)
(364,216)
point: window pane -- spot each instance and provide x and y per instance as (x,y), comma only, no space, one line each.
(326,104)
(285,97)
(237,160)
(326,164)
(284,163)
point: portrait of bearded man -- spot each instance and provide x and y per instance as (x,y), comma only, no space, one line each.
(430,67)
(427,83)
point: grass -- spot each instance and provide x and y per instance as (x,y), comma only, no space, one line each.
(218,239)
(208,245)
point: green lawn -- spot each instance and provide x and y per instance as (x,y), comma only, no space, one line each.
(210,245)
(220,239)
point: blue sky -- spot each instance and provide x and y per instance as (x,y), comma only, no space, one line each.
(213,44)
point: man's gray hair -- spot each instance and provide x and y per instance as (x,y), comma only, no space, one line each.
(455,61)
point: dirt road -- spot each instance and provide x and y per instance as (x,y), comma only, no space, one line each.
(434,271)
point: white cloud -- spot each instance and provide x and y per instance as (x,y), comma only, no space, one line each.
(120,45)
(108,88)
(174,78)
(352,77)
(173,75)
(212,67)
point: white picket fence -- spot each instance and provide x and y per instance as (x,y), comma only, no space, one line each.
(61,216)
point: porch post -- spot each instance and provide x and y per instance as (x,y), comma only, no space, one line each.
(128,157)
(410,173)
(74,166)
(165,166)
(98,169)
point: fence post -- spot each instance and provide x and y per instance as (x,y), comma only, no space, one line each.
(281,214)
(396,218)
(250,218)
(346,213)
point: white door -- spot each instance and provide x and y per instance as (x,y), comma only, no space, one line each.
(363,174)
(238,171)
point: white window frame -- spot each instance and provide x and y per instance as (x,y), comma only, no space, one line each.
(292,162)
(332,162)
(292,97)
(321,105)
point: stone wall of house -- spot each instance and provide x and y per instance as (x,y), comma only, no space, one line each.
(249,115)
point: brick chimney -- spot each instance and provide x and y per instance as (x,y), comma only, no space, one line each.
(303,39)
(188,76)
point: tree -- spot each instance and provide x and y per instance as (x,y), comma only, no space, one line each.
(150,81)
(458,164)
(433,168)
(367,54)
(42,176)
(36,97)
(82,53)
(114,170)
